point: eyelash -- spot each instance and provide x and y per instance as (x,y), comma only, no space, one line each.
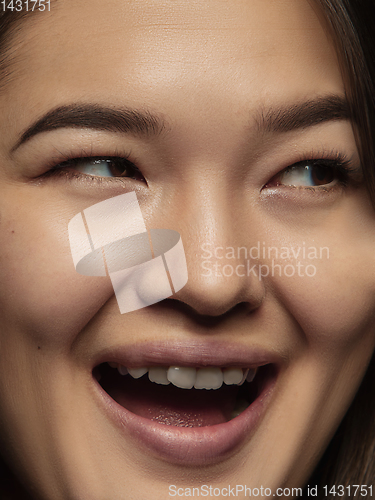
(61,169)
(339,163)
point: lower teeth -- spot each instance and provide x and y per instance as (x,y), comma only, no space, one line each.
(241,405)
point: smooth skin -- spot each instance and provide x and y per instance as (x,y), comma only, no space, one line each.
(208,68)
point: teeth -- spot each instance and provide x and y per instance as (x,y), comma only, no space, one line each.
(244,376)
(122,370)
(251,374)
(241,406)
(182,377)
(137,372)
(189,377)
(158,374)
(233,375)
(209,378)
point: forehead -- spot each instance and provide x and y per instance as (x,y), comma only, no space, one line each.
(151,53)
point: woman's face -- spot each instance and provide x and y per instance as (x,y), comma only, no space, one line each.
(280,262)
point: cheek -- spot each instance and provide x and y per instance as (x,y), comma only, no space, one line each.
(335,304)
(41,294)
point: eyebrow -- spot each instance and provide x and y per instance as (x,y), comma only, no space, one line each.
(305,114)
(92,116)
(146,124)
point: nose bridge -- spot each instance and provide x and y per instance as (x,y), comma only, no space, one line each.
(211,219)
(212,234)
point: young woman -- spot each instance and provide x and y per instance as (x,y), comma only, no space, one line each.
(247,127)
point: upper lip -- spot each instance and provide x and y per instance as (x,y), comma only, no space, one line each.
(187,353)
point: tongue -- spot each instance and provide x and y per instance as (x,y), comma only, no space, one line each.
(170,405)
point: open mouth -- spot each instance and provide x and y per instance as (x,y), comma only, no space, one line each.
(185,396)
(191,403)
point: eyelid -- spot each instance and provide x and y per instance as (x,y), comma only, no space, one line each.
(93,159)
(88,158)
(66,169)
(344,166)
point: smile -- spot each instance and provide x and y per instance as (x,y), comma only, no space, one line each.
(198,412)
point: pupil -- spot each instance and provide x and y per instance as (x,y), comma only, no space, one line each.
(117,169)
(322,175)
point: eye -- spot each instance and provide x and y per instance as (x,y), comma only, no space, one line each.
(312,173)
(101,167)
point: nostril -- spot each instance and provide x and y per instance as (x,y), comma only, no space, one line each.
(207,320)
(214,296)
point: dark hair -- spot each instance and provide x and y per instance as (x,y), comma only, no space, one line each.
(350,456)
(349,23)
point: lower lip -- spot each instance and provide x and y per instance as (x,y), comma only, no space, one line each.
(185,445)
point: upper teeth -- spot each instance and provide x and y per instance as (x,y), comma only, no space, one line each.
(189,377)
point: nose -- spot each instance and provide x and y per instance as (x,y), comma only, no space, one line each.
(219,275)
